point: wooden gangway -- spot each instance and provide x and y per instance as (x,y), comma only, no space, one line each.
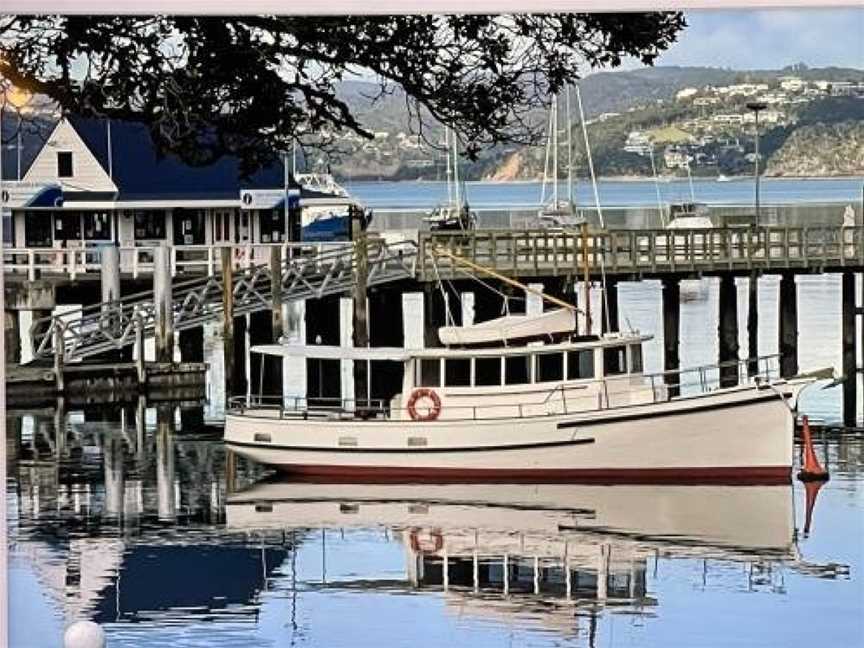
(557,252)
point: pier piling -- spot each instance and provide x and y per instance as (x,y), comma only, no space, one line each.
(788,330)
(609,316)
(162,296)
(275,366)
(227,321)
(12,336)
(671,319)
(850,369)
(361,316)
(727,324)
(753,323)
(110,275)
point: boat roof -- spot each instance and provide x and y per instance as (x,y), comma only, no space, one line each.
(398,354)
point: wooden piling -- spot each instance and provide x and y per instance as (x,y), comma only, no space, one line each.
(274,367)
(110,275)
(140,365)
(727,331)
(671,328)
(228,321)
(59,359)
(165,502)
(361,319)
(788,330)
(12,336)
(610,307)
(850,368)
(753,324)
(163,300)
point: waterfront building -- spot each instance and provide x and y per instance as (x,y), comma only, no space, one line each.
(93,182)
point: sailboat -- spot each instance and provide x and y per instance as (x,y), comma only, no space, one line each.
(557,212)
(455,214)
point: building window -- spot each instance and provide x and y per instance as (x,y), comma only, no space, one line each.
(580,365)
(149,224)
(67,226)
(64,164)
(97,226)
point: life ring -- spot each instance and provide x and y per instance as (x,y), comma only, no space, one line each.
(416,547)
(434,410)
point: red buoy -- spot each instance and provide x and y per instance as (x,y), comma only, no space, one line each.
(811,469)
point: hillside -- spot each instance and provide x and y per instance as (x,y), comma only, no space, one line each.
(821,150)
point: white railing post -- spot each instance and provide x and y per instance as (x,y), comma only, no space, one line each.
(31,265)
(135,263)
(210,261)
(173,260)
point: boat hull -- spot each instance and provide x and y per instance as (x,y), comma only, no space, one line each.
(740,435)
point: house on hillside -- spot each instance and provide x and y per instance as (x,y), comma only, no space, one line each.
(94,183)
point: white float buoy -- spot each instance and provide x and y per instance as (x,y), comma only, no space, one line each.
(84,634)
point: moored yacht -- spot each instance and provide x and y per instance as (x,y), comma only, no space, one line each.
(523,397)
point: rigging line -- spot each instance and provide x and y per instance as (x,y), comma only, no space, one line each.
(448,316)
(489,286)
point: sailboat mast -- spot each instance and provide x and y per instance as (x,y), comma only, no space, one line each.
(657,186)
(456,170)
(590,161)
(555,151)
(569,122)
(449,169)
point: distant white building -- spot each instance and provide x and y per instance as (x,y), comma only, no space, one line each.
(792,84)
(686,93)
(743,89)
(730,118)
(676,158)
(706,101)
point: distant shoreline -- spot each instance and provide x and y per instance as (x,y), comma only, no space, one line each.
(623,179)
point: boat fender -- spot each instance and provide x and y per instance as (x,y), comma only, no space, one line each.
(437,542)
(434,410)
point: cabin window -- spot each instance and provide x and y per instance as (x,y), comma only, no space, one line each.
(517,370)
(97,226)
(487,371)
(549,367)
(64,164)
(67,226)
(635,358)
(614,361)
(457,372)
(580,364)
(430,372)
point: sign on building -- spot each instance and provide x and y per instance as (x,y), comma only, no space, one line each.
(268,198)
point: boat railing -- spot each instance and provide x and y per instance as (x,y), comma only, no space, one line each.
(563,398)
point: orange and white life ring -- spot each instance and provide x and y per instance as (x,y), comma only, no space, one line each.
(433,410)
(437,542)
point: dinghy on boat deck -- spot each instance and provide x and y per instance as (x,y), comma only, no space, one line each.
(510,327)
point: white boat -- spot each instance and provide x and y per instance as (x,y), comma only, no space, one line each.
(576,409)
(510,327)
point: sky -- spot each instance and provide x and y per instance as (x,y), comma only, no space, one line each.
(770,38)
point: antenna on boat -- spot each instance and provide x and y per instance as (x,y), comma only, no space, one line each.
(569,123)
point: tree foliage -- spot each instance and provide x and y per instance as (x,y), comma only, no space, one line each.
(252,85)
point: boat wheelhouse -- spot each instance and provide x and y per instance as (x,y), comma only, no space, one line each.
(539,404)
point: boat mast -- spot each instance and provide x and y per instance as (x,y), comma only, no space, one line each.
(546,161)
(569,122)
(657,186)
(449,170)
(588,153)
(456,170)
(554,121)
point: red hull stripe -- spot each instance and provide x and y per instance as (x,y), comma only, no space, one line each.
(762,475)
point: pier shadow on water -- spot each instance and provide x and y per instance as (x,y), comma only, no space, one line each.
(137,520)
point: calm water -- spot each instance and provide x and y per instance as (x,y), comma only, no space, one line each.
(614,193)
(128,517)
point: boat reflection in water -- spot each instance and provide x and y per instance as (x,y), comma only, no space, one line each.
(139,527)
(512,547)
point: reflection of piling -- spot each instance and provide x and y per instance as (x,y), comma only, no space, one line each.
(727,324)
(850,368)
(112,457)
(166,505)
(671,315)
(788,331)
(164,332)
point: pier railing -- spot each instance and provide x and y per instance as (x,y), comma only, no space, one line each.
(550,252)
(563,398)
(311,274)
(137,261)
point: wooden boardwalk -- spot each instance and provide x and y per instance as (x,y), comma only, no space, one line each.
(554,252)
